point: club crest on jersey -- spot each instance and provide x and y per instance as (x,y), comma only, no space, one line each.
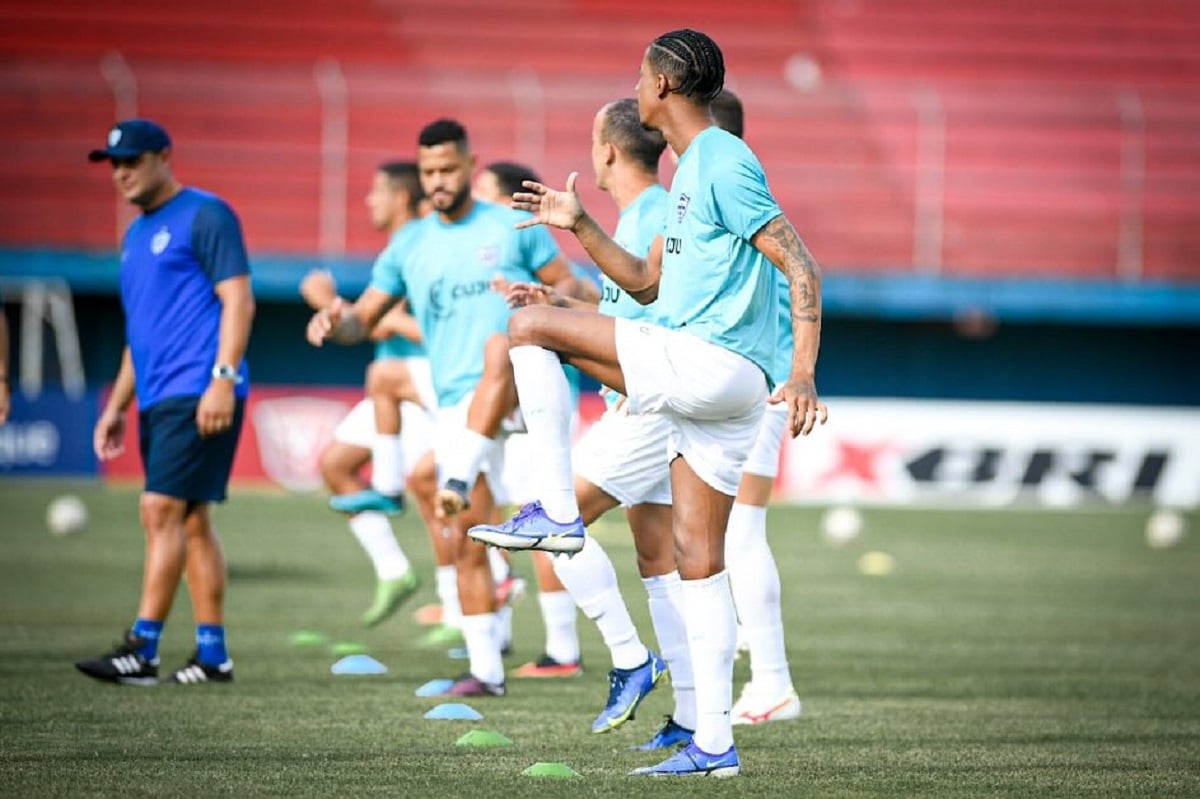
(159,241)
(489,255)
(681,207)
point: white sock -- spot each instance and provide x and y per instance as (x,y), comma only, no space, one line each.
(499,564)
(592,582)
(483,647)
(558,612)
(447,591)
(374,532)
(464,458)
(665,597)
(504,627)
(387,465)
(754,580)
(547,408)
(712,638)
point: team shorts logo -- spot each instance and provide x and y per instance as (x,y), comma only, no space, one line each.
(681,207)
(292,433)
(159,241)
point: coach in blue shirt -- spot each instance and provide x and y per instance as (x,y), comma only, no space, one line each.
(185,288)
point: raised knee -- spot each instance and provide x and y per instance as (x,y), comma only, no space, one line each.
(525,324)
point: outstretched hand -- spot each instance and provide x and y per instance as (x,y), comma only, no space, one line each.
(804,409)
(560,209)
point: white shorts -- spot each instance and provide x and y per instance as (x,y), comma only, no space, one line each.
(714,397)
(626,456)
(764,457)
(357,429)
(449,424)
(421,372)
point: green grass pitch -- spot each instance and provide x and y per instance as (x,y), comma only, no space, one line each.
(1011,653)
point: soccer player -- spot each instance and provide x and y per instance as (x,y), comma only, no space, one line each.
(496,183)
(753,573)
(706,369)
(444,265)
(394,200)
(185,289)
(622,459)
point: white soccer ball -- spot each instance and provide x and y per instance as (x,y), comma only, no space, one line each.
(1164,528)
(66,515)
(841,525)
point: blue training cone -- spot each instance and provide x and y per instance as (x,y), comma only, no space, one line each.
(434,688)
(358,664)
(454,711)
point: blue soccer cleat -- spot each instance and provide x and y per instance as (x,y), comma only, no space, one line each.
(669,736)
(691,761)
(367,499)
(626,690)
(531,528)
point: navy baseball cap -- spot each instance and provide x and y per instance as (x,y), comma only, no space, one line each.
(131,138)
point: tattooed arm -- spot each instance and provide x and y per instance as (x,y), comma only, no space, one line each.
(780,243)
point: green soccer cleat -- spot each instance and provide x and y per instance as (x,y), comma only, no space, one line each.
(441,635)
(389,596)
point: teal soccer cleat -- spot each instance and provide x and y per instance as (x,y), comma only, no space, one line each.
(367,499)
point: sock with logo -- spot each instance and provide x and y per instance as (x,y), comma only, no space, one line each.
(149,631)
(210,644)
(712,640)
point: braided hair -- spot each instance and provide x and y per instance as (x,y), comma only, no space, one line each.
(691,61)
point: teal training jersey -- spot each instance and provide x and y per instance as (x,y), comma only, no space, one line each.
(715,284)
(446,270)
(398,346)
(638,225)
(640,222)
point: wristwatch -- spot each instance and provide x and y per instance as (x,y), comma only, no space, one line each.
(224,371)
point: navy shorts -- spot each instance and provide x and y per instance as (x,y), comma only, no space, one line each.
(181,463)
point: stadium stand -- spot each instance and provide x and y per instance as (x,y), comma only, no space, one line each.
(994,139)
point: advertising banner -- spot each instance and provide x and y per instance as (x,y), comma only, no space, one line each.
(49,436)
(925,452)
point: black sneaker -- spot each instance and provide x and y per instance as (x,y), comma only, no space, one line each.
(123,665)
(194,672)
